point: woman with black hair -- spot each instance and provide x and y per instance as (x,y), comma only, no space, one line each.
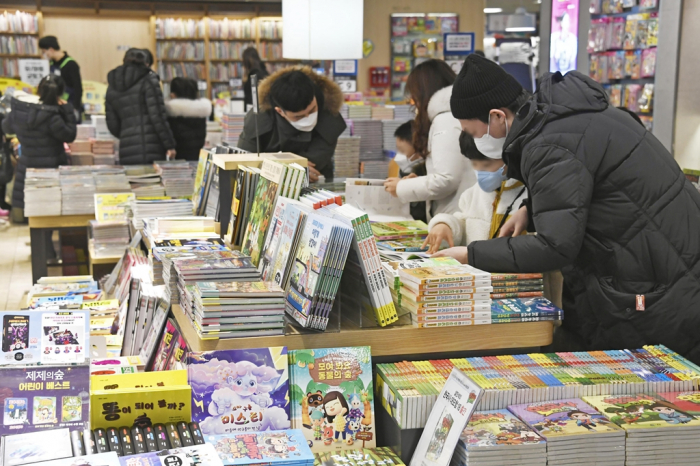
(42,127)
(136,111)
(187,116)
(252,65)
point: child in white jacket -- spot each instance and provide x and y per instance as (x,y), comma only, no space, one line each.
(483,208)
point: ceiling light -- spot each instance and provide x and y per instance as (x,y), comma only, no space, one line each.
(493,10)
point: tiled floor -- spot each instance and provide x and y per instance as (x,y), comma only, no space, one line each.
(15,266)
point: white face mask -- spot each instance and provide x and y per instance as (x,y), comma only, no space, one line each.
(306,124)
(488,145)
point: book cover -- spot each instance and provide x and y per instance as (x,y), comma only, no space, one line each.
(524,307)
(177,243)
(498,428)
(166,345)
(404,245)
(44,397)
(332,399)
(195,455)
(205,266)
(35,447)
(240,289)
(112,207)
(261,209)
(687,401)
(447,420)
(642,412)
(281,447)
(236,391)
(443,274)
(392,230)
(564,418)
(272,239)
(359,457)
(294,215)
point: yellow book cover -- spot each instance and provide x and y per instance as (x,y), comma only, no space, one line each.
(112,207)
(140,406)
(642,412)
(443,274)
(139,380)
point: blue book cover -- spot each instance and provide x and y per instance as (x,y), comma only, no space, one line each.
(236,391)
(524,307)
(283,447)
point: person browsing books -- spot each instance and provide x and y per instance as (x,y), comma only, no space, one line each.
(187,117)
(436,139)
(610,207)
(299,113)
(252,65)
(483,208)
(68,69)
(410,164)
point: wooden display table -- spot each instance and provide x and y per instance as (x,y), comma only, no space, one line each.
(391,341)
(104,264)
(37,228)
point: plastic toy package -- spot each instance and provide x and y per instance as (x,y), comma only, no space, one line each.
(615,95)
(617,33)
(648,63)
(646,99)
(633,64)
(616,65)
(632,94)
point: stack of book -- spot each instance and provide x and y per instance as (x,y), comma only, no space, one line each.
(374,168)
(382,113)
(575,432)
(404,112)
(371,144)
(161,256)
(409,387)
(99,122)
(80,146)
(237,309)
(446,296)
(190,271)
(81,158)
(359,457)
(111,183)
(104,159)
(498,437)
(392,267)
(77,192)
(359,112)
(145,208)
(389,127)
(524,310)
(347,157)
(103,146)
(109,239)
(232,127)
(399,231)
(517,285)
(85,132)
(658,430)
(65,286)
(177,177)
(42,192)
(144,181)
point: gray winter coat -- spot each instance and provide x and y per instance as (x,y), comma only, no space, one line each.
(613,210)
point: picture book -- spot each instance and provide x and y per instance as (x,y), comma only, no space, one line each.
(396,230)
(235,391)
(564,418)
(404,245)
(43,398)
(358,457)
(60,302)
(448,418)
(292,222)
(44,336)
(272,238)
(524,307)
(642,412)
(687,401)
(99,459)
(36,447)
(112,207)
(497,428)
(195,455)
(331,393)
(166,345)
(443,274)
(270,448)
(262,208)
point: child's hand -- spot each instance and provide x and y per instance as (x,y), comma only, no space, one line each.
(409,176)
(436,236)
(460,253)
(516,224)
(390,185)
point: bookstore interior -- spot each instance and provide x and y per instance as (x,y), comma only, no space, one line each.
(350,232)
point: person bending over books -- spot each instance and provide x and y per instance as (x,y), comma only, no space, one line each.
(299,113)
(610,206)
(187,117)
(436,139)
(410,164)
(483,208)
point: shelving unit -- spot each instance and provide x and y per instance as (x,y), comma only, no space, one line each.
(23,31)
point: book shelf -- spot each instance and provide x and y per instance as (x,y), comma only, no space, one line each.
(210,49)
(19,38)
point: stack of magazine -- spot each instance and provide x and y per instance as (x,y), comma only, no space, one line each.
(42,192)
(191,271)
(151,208)
(177,176)
(237,309)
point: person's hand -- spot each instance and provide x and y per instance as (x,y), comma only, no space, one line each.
(516,224)
(436,236)
(170,154)
(461,253)
(409,176)
(62,102)
(390,186)
(313,173)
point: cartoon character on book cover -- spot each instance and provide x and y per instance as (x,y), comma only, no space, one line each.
(641,411)
(497,427)
(563,418)
(15,411)
(240,390)
(72,409)
(689,402)
(15,333)
(437,442)
(332,397)
(271,445)
(44,410)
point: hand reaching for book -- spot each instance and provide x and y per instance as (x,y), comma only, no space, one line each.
(438,233)
(516,224)
(313,173)
(460,253)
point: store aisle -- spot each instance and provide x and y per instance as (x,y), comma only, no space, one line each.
(15,266)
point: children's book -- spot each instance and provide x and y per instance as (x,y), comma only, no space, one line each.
(359,457)
(250,290)
(262,208)
(273,236)
(448,418)
(687,401)
(293,222)
(166,345)
(642,412)
(524,307)
(35,447)
(236,391)
(332,395)
(279,447)
(404,245)
(492,430)
(396,230)
(561,419)
(196,455)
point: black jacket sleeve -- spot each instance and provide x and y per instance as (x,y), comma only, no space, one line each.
(71,75)
(114,123)
(156,111)
(247,140)
(62,125)
(560,191)
(7,124)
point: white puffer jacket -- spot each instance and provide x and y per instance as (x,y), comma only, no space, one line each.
(449,172)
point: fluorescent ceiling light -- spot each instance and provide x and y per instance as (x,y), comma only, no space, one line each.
(493,10)
(520,29)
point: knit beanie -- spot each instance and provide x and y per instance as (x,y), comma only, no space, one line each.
(482,85)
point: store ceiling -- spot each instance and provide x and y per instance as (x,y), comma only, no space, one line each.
(509,6)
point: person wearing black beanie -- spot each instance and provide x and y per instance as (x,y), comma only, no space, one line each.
(611,208)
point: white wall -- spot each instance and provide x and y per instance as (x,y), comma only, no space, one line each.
(687,131)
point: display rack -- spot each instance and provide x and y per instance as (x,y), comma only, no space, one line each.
(415,38)
(19,40)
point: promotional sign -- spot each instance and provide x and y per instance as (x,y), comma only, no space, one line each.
(345,68)
(563,42)
(31,70)
(459,43)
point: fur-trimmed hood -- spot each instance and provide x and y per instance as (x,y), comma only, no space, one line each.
(439,102)
(331,92)
(188,108)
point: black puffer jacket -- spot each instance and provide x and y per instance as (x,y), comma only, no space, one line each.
(136,114)
(613,210)
(41,130)
(188,121)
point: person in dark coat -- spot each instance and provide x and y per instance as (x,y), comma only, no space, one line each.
(610,206)
(299,113)
(187,116)
(252,65)
(67,68)
(136,112)
(41,128)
